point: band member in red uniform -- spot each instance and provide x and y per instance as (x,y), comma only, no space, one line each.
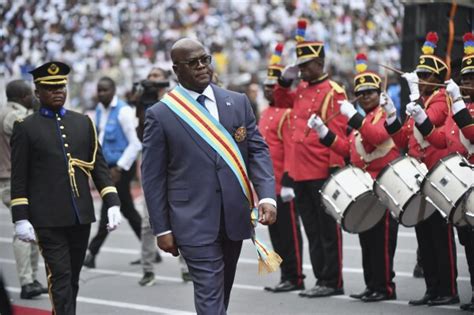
(370,148)
(435,237)
(457,136)
(311,162)
(285,234)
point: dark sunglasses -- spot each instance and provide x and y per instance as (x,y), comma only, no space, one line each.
(194,63)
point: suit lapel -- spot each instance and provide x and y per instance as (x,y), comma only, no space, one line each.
(225,106)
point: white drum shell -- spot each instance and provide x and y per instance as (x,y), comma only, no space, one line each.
(348,197)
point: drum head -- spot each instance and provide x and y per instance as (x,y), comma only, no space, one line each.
(416,209)
(362,214)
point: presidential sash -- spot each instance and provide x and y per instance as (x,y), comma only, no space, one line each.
(219,139)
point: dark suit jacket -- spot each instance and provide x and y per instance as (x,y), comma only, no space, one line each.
(188,186)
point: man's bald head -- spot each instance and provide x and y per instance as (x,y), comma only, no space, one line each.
(19,91)
(182,46)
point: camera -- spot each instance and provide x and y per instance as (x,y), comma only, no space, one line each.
(148,91)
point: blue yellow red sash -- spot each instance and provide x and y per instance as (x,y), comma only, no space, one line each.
(215,134)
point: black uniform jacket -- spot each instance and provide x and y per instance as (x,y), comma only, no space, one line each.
(53,154)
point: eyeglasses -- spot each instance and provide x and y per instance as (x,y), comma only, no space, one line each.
(194,63)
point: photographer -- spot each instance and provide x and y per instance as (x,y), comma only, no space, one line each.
(147,93)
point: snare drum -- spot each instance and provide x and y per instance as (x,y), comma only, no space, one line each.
(468,206)
(398,187)
(446,184)
(348,197)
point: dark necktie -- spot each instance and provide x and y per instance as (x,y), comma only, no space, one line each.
(202,100)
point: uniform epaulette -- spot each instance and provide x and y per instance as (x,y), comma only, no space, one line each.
(336,87)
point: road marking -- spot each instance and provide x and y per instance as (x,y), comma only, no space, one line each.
(132,306)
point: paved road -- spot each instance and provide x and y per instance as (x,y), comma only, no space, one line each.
(112,288)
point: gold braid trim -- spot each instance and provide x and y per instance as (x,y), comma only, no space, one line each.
(19,202)
(86,167)
(282,121)
(107,190)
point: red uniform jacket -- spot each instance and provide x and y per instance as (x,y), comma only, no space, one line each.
(449,137)
(373,138)
(310,159)
(270,126)
(437,109)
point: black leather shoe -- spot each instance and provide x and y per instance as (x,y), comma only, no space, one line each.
(379,296)
(444,300)
(29,291)
(285,286)
(89,261)
(310,291)
(325,291)
(359,296)
(467,306)
(39,285)
(424,300)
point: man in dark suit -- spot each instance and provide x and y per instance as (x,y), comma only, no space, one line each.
(195,201)
(54,154)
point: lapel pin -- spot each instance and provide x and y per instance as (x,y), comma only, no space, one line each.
(228,103)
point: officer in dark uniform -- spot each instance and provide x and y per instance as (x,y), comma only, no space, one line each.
(54,153)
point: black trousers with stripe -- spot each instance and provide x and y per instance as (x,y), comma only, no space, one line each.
(466,238)
(324,234)
(438,255)
(63,250)
(378,250)
(285,236)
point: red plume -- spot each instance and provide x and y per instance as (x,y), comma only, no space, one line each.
(361,56)
(468,37)
(279,47)
(432,37)
(302,24)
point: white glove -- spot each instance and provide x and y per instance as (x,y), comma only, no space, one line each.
(388,106)
(415,111)
(115,217)
(290,72)
(455,93)
(347,109)
(24,230)
(316,123)
(287,194)
(412,80)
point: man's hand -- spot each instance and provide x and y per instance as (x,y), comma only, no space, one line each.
(115,217)
(416,112)
(317,124)
(116,174)
(25,231)
(287,194)
(266,214)
(167,243)
(290,72)
(347,109)
(412,80)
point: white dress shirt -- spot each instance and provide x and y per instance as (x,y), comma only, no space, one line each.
(128,122)
(211,105)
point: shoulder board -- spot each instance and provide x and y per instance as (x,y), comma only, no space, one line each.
(336,87)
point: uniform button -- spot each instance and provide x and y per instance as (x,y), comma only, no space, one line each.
(266,127)
(61,127)
(66,145)
(309,110)
(271,118)
(300,96)
(317,91)
(452,132)
(59,118)
(295,117)
(64,136)
(68,154)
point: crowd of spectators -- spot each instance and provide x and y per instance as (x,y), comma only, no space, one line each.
(124,39)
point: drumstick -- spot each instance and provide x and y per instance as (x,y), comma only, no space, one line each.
(307,130)
(422,81)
